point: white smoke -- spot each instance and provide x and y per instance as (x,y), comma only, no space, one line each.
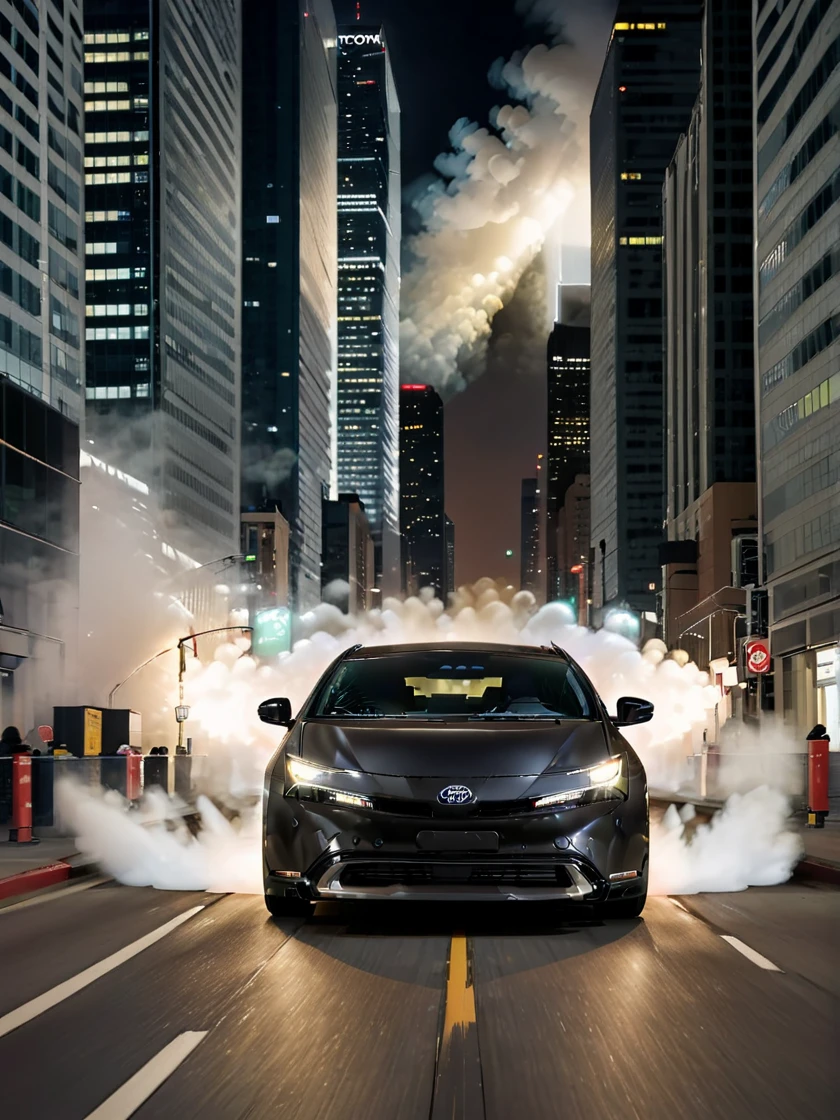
(502,191)
(749,844)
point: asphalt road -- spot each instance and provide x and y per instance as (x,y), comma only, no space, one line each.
(223,1012)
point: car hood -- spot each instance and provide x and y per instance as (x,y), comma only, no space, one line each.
(472,750)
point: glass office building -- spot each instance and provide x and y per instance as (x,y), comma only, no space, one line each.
(423,519)
(797,205)
(529,538)
(41,355)
(368,287)
(289,285)
(643,103)
(708,335)
(568,434)
(163,151)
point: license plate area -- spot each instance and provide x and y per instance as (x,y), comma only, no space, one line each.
(452,841)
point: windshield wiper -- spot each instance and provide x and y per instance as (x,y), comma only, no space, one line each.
(351,715)
(517,715)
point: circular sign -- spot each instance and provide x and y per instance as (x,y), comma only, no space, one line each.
(758,656)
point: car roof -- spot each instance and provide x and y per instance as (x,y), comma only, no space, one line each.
(362,652)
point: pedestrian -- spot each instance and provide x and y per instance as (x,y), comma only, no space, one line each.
(11,743)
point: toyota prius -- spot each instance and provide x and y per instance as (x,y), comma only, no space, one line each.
(483,772)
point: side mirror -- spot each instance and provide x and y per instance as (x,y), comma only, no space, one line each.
(278,711)
(631,710)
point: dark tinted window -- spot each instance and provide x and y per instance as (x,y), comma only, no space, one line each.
(456,684)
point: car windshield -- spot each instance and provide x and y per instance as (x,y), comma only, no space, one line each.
(455,684)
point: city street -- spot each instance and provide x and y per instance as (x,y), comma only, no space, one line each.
(378,1012)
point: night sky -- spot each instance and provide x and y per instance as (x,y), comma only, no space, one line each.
(440,55)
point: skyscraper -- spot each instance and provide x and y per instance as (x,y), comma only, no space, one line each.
(646,92)
(529,537)
(568,421)
(289,280)
(41,359)
(708,315)
(798,350)
(348,572)
(422,514)
(449,536)
(368,287)
(163,151)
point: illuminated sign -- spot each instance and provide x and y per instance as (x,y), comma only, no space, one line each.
(758,656)
(413,388)
(272,632)
(361,40)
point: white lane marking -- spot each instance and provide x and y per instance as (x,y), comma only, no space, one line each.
(52,895)
(40,1004)
(137,1090)
(750,954)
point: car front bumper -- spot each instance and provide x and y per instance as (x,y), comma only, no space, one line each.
(586,854)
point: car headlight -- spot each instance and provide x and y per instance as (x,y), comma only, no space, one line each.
(559,798)
(606,773)
(304,771)
(598,778)
(311,777)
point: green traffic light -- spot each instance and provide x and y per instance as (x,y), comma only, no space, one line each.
(508,552)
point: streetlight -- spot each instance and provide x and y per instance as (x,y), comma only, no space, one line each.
(182,669)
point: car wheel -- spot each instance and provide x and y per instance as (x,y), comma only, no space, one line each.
(624,907)
(287,907)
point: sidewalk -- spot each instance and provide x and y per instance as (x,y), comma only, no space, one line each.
(25,868)
(822,846)
(15,858)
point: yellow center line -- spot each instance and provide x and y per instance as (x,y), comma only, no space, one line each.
(460,994)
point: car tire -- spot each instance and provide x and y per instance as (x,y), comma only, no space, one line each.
(624,907)
(279,907)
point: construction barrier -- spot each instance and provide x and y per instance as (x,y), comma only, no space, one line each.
(129,775)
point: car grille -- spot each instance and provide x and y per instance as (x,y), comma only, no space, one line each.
(481,809)
(383,873)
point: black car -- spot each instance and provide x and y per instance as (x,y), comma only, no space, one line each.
(485,772)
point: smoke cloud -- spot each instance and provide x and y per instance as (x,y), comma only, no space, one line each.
(750,841)
(501,193)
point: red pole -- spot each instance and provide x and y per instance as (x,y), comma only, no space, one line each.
(21,830)
(817,782)
(133,776)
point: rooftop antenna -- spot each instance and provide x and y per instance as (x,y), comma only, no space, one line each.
(358,10)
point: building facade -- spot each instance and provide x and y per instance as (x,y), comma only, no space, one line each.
(349,567)
(643,103)
(39,556)
(369,230)
(797,205)
(711,508)
(529,537)
(163,153)
(290,269)
(572,545)
(422,513)
(568,436)
(42,294)
(449,535)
